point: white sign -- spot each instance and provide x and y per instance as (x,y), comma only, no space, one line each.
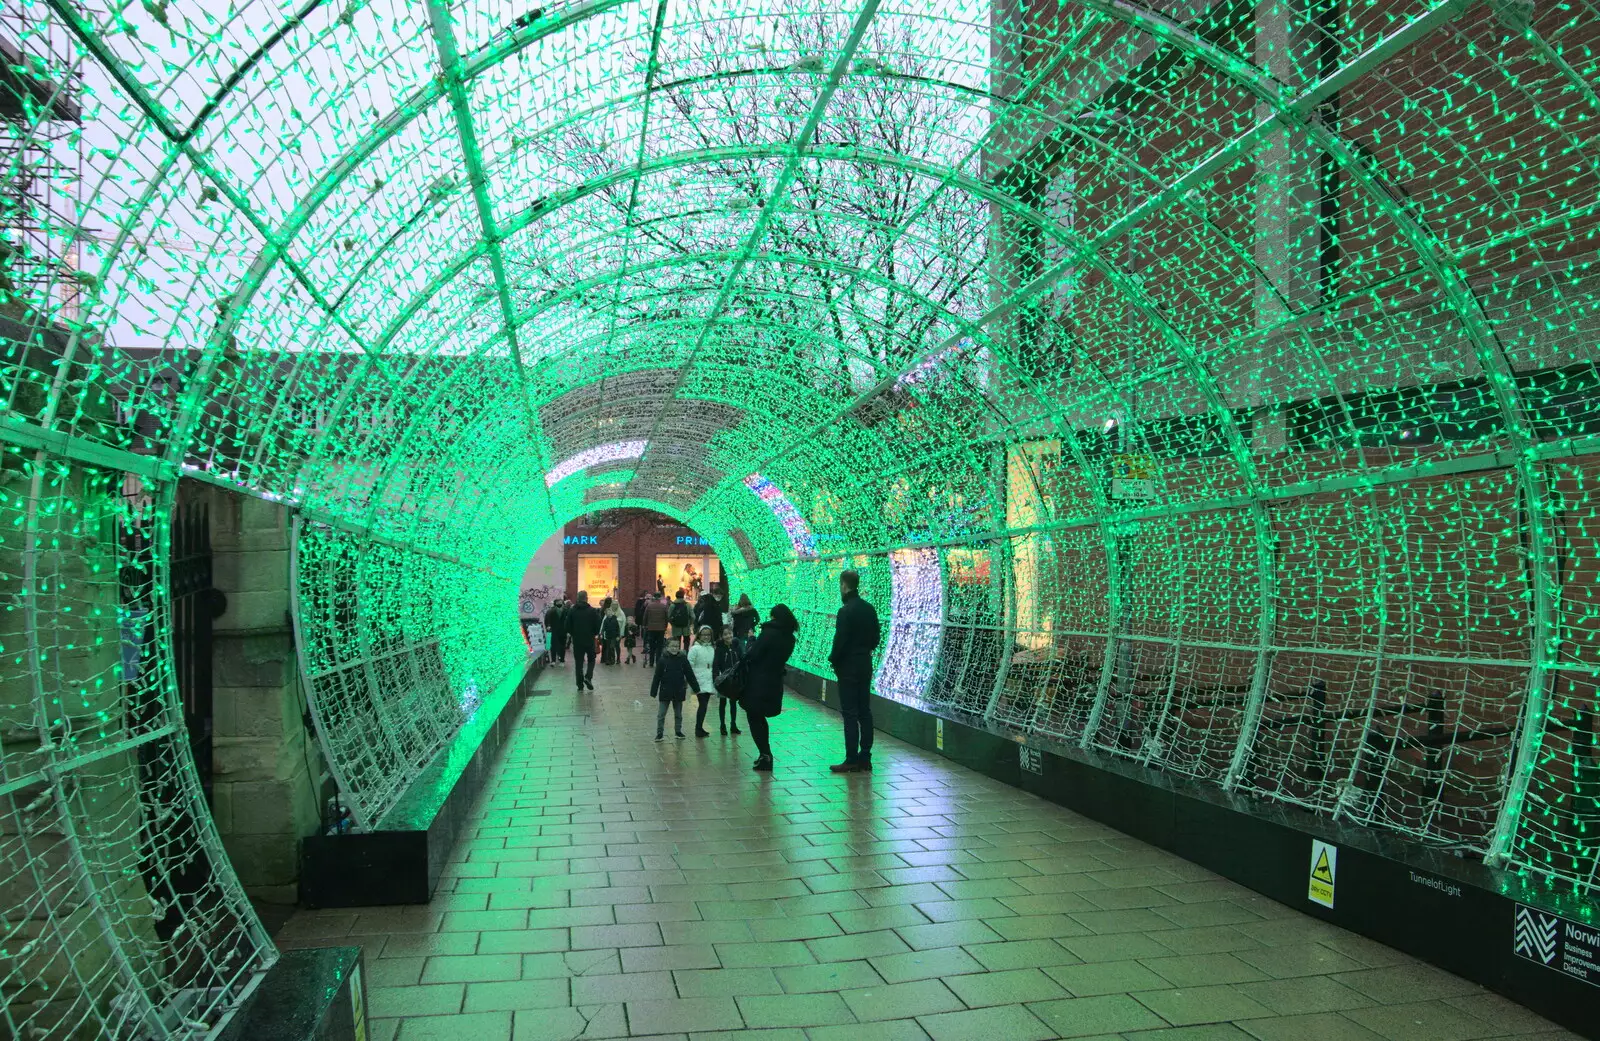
(1324,870)
(1133,488)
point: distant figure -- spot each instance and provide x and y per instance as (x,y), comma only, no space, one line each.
(655,629)
(630,640)
(765,665)
(612,621)
(708,612)
(681,615)
(673,675)
(745,618)
(855,636)
(555,623)
(583,626)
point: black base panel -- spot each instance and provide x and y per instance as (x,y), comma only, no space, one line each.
(316,994)
(399,861)
(1456,914)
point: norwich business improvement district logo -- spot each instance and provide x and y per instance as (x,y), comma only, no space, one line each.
(1537,935)
(1560,944)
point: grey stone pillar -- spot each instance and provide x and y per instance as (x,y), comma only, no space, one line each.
(268,771)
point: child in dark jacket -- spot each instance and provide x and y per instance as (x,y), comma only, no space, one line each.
(672,678)
(630,640)
(728,655)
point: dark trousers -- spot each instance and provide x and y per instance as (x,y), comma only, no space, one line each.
(855,704)
(700,713)
(729,708)
(654,641)
(580,655)
(759,733)
(558,647)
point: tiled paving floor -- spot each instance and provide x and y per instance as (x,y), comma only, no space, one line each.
(617,887)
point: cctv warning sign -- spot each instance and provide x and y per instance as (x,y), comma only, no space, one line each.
(1324,871)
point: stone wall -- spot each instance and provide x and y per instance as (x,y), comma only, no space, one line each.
(268,774)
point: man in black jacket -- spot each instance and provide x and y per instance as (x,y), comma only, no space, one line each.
(583,625)
(855,636)
(555,623)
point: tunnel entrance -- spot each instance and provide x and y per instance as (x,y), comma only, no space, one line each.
(625,553)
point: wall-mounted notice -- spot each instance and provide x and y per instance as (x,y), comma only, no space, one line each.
(1557,943)
(1030,760)
(1324,869)
(938,734)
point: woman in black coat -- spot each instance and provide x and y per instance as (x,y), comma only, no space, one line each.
(766,661)
(709,612)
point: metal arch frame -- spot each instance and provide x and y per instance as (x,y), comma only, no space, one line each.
(397,456)
(604,279)
(1502,391)
(777,192)
(346,164)
(440,23)
(278,245)
(1136,17)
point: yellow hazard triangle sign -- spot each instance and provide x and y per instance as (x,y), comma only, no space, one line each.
(1324,869)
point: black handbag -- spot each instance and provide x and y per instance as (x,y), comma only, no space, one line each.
(731,683)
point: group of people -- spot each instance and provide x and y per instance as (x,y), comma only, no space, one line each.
(696,648)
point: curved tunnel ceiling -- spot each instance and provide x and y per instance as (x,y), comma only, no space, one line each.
(1188,362)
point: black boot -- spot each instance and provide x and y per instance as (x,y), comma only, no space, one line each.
(763,764)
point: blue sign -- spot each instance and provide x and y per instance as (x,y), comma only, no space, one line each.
(693,540)
(580,540)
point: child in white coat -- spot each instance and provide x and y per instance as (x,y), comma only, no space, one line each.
(701,658)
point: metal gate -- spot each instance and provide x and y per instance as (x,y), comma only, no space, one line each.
(195,604)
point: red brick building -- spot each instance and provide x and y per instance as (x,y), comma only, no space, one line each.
(629,550)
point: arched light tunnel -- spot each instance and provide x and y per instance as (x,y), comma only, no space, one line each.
(1207,385)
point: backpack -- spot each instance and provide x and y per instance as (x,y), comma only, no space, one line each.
(679,616)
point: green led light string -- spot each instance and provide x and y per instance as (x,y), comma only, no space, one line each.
(1217,386)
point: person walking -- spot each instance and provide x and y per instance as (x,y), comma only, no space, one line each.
(638,609)
(630,640)
(555,623)
(745,618)
(709,612)
(655,630)
(681,615)
(673,674)
(612,622)
(583,625)
(855,636)
(728,656)
(765,665)
(702,659)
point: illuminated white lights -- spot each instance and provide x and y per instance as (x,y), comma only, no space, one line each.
(607,453)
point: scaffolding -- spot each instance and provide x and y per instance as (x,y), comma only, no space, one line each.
(41,158)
